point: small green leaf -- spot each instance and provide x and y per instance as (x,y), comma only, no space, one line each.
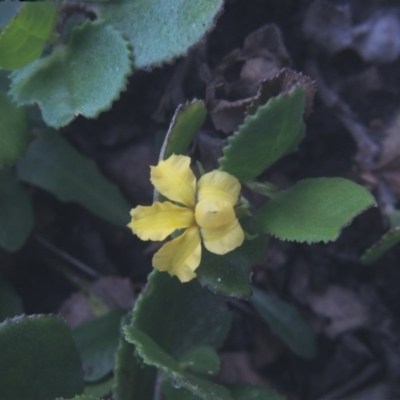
(161,30)
(78,79)
(378,249)
(100,388)
(246,391)
(229,274)
(275,130)
(10,302)
(16,212)
(201,360)
(53,164)
(23,39)
(14,133)
(189,314)
(153,354)
(38,359)
(185,124)
(285,321)
(314,210)
(97,342)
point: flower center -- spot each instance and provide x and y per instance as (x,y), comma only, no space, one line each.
(214,214)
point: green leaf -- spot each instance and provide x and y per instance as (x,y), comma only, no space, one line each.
(16,212)
(153,354)
(189,314)
(161,30)
(185,124)
(133,379)
(82,78)
(246,391)
(285,321)
(23,39)
(378,249)
(10,302)
(314,210)
(38,359)
(97,342)
(275,130)
(229,274)
(201,360)
(14,133)
(53,164)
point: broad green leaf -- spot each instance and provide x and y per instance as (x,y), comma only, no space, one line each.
(82,78)
(153,354)
(385,243)
(161,30)
(16,212)
(285,321)
(97,342)
(133,379)
(10,302)
(23,39)
(189,314)
(275,130)
(38,360)
(314,210)
(53,164)
(201,360)
(14,133)
(229,274)
(185,124)
(246,391)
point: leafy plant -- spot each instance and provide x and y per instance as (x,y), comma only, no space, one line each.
(169,343)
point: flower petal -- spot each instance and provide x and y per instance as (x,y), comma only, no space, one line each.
(180,256)
(159,220)
(214,213)
(218,185)
(174,179)
(224,239)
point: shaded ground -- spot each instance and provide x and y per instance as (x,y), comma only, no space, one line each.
(353,53)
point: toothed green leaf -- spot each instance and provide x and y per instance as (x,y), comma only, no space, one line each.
(153,354)
(190,315)
(38,360)
(202,360)
(285,321)
(314,210)
(161,30)
(14,133)
(53,164)
(23,39)
(16,212)
(275,130)
(385,243)
(186,122)
(82,78)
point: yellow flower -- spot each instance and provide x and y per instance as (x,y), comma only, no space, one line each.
(204,210)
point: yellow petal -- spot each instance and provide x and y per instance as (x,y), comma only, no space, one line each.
(223,239)
(159,220)
(213,214)
(180,256)
(218,185)
(174,179)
